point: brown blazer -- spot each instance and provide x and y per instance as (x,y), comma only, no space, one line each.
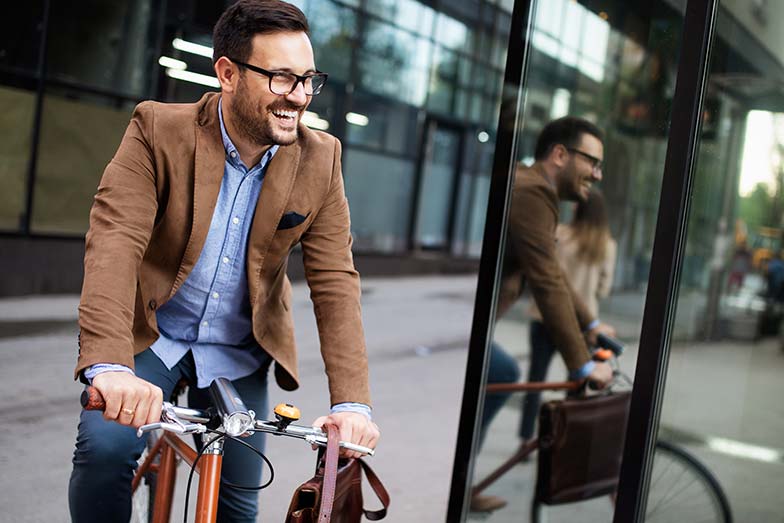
(150,219)
(531,259)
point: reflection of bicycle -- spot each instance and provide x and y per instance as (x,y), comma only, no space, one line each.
(681,487)
(153,482)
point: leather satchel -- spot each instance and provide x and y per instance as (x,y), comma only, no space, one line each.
(335,492)
(580,447)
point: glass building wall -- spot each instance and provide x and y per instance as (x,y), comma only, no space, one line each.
(402,74)
(616,64)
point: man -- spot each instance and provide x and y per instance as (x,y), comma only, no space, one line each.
(568,161)
(185,262)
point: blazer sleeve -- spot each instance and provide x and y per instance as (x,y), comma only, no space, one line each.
(335,293)
(532,222)
(121,222)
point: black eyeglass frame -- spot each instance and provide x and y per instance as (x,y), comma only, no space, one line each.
(299,78)
(596,163)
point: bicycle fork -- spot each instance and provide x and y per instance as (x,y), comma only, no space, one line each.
(208,469)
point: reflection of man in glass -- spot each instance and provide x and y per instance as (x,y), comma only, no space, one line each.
(568,160)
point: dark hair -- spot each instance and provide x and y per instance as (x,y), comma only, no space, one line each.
(567,131)
(590,227)
(234,32)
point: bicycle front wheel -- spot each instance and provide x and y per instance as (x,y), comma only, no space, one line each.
(683,489)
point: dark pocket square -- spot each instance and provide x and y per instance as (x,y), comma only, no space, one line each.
(291,219)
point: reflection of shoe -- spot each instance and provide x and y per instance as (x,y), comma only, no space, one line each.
(481,503)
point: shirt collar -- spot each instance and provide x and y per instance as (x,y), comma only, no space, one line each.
(229,146)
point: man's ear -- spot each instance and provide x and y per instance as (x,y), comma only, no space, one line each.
(559,155)
(227,73)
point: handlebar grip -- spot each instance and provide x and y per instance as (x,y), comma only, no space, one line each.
(606,342)
(91,399)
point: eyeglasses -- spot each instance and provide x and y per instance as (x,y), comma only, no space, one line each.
(283,83)
(596,163)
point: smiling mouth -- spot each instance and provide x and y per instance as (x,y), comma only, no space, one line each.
(285,115)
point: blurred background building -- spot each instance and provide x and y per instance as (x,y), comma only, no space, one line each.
(414,94)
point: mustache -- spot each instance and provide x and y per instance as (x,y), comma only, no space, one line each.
(284,106)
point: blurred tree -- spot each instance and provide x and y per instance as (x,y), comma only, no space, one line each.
(757,208)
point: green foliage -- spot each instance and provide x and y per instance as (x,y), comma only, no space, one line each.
(756,209)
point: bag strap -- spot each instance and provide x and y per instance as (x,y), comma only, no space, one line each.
(378,488)
(330,473)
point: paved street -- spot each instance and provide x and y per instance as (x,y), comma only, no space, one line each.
(416,330)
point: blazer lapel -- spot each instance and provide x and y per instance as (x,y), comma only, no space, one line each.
(209,164)
(275,192)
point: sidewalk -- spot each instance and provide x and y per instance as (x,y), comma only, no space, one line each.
(416,329)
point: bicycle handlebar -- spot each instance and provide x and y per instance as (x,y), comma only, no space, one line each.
(183,420)
(607,342)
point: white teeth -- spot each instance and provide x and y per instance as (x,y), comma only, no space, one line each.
(285,114)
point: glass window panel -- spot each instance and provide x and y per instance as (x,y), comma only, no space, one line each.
(378,224)
(499,53)
(572,25)
(451,33)
(395,63)
(545,43)
(105,45)
(20,36)
(332,32)
(440,96)
(79,135)
(548,16)
(438,179)
(17,108)
(729,337)
(634,152)
(445,62)
(595,37)
(408,14)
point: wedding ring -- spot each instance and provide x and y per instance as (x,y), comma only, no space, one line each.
(129,412)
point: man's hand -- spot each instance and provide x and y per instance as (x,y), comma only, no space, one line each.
(602,328)
(129,400)
(354,428)
(601,375)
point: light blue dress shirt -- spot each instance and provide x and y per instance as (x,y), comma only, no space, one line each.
(210,313)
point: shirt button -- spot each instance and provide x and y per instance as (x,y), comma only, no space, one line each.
(233,154)
(235,220)
(204,323)
(215,295)
(225,260)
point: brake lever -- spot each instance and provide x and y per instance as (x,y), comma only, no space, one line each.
(322,442)
(177,428)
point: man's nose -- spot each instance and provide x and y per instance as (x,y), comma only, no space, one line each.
(298,95)
(597,174)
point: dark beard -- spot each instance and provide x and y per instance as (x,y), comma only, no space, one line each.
(253,127)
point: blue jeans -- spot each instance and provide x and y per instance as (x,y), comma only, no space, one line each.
(502,368)
(542,350)
(106,452)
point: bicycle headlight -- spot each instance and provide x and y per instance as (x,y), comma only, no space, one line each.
(237,424)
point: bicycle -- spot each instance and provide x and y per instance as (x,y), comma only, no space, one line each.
(681,487)
(154,480)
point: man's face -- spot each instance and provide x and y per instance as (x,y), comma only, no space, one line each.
(581,169)
(261,116)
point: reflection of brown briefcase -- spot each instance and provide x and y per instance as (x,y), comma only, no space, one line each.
(580,447)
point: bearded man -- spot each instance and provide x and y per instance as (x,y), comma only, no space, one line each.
(185,262)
